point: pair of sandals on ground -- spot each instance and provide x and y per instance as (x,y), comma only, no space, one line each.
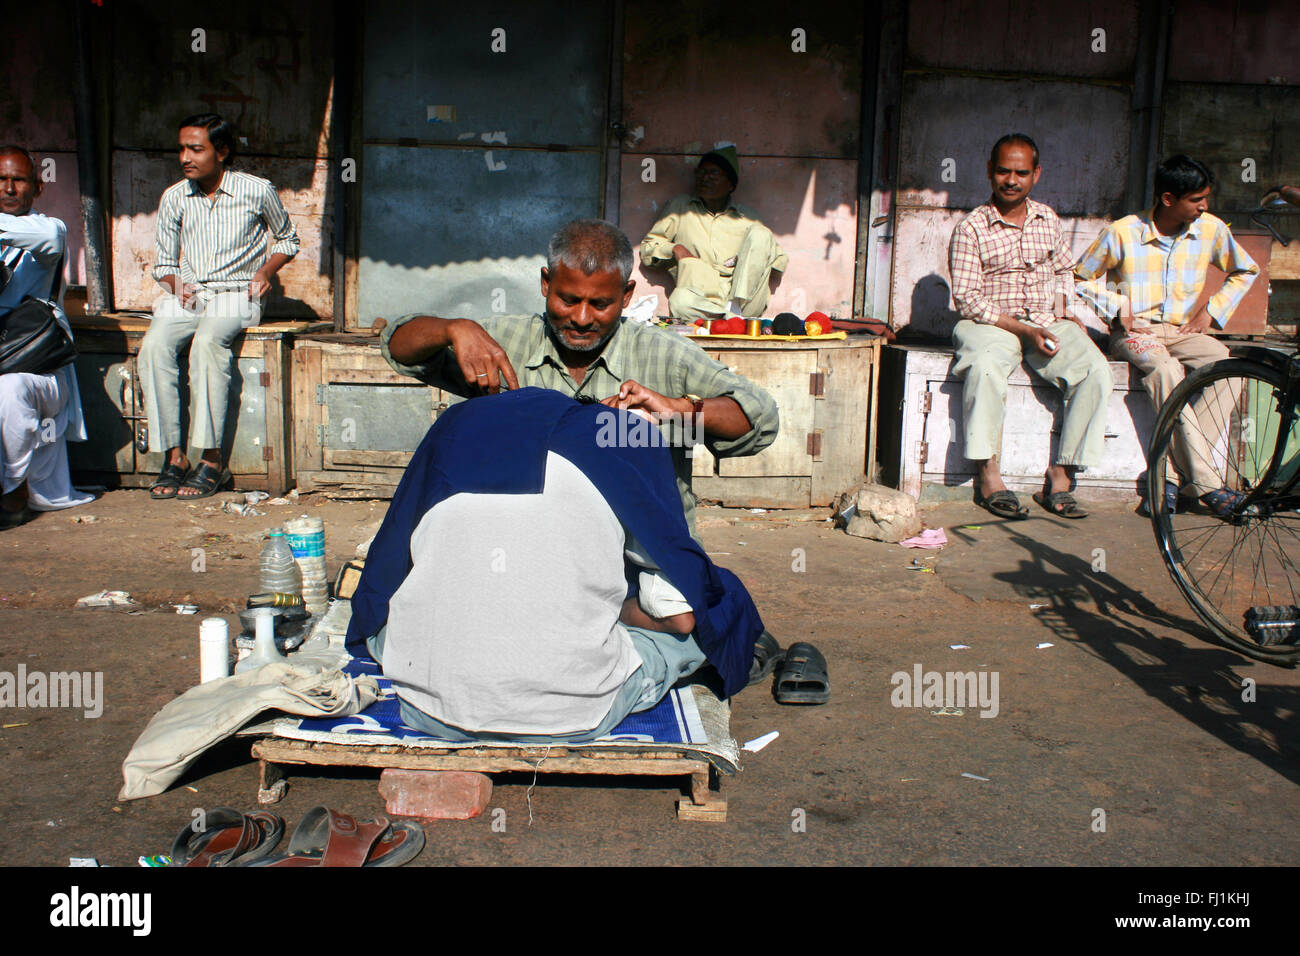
(207,479)
(1220,503)
(801,674)
(325,837)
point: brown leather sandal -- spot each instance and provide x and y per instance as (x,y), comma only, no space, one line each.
(327,837)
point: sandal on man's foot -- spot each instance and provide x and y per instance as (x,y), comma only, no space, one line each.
(1002,503)
(1222,503)
(767,657)
(803,678)
(206,479)
(1061,504)
(1171,501)
(168,482)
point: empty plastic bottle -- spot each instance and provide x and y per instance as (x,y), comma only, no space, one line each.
(280,574)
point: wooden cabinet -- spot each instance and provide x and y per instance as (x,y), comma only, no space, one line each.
(358,421)
(922,449)
(258,421)
(825,390)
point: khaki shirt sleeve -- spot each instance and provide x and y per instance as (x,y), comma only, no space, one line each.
(657,246)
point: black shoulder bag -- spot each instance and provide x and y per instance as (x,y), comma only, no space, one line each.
(31,338)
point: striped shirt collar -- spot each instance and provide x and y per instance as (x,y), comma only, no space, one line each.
(1033,210)
(613,356)
(196,190)
(1150,233)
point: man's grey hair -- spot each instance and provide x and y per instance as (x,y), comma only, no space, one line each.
(591,245)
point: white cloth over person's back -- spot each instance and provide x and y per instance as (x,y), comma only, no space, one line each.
(508,621)
(39,413)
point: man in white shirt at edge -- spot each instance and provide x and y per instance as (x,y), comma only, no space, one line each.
(39,413)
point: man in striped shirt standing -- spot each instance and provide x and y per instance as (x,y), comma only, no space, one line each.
(213,266)
(1143,275)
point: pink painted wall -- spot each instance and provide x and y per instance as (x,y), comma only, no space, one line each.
(697,74)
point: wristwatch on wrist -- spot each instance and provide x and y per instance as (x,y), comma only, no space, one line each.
(697,409)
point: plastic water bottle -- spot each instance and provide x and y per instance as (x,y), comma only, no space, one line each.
(280,574)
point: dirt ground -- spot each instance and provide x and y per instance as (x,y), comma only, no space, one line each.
(1130,712)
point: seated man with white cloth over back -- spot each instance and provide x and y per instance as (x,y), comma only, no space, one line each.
(496,593)
(39,412)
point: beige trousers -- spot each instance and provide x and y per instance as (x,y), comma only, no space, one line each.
(212,325)
(986,357)
(1161,353)
(704,288)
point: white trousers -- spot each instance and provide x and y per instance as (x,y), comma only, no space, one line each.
(33,446)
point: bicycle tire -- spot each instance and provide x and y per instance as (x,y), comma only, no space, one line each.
(1200,550)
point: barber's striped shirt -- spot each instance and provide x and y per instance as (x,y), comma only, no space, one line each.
(222,241)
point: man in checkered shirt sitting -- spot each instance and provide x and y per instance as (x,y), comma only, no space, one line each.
(1013,286)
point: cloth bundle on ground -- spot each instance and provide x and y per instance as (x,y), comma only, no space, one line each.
(465,452)
(207,714)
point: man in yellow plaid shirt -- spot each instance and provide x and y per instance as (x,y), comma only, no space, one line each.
(1143,275)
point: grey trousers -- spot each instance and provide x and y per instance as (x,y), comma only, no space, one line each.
(665,659)
(212,325)
(986,357)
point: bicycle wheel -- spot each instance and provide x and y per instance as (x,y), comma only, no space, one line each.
(1227,416)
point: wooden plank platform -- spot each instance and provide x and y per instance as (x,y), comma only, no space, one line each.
(705,801)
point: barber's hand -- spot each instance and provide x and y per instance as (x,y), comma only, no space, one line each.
(1038,336)
(1200,322)
(680,252)
(635,397)
(482,361)
(258,286)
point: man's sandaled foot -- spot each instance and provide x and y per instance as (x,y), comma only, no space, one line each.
(207,479)
(168,482)
(1003,503)
(1222,502)
(1061,504)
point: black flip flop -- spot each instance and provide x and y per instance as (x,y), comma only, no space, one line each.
(1061,504)
(802,678)
(1004,504)
(767,658)
(205,478)
(169,479)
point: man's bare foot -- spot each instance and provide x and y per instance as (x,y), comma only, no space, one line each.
(990,478)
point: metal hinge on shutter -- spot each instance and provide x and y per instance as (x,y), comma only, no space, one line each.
(265,379)
(926,397)
(320,435)
(320,394)
(815,445)
(922,452)
(817,383)
(268,453)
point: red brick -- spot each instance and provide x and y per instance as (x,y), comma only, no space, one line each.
(435,794)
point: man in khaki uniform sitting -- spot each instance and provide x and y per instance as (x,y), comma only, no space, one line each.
(722,258)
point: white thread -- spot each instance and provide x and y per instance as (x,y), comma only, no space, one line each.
(528,794)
